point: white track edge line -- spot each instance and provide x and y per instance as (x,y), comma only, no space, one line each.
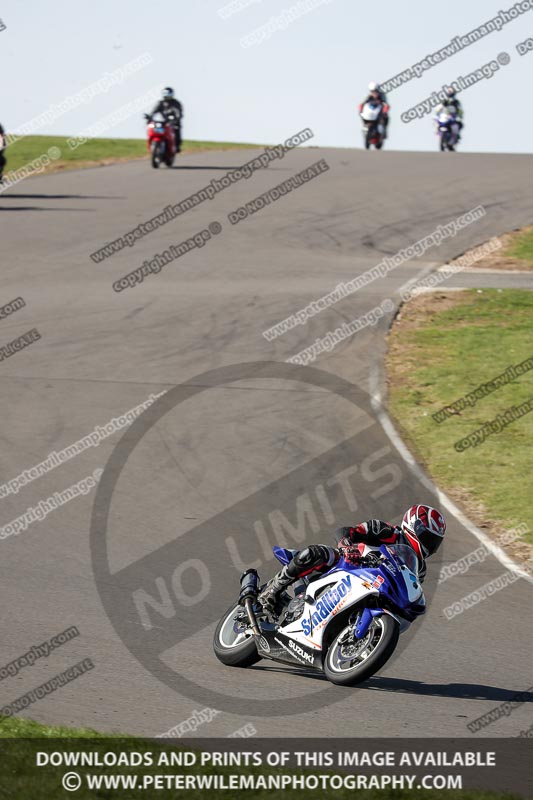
(389,429)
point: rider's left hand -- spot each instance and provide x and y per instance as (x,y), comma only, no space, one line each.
(351,553)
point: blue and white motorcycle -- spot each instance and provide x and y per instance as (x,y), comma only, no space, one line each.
(345,623)
(447,129)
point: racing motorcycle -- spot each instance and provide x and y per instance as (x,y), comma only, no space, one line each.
(447,129)
(161,140)
(373,128)
(345,623)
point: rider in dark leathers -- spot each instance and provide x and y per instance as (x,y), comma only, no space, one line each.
(172,110)
(452,101)
(422,529)
(375,92)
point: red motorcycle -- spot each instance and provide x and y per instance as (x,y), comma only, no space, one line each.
(161,141)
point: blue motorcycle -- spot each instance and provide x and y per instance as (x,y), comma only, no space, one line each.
(447,129)
(345,623)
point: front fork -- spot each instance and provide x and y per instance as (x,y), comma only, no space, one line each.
(367,615)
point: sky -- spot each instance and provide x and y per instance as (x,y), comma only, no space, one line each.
(311,73)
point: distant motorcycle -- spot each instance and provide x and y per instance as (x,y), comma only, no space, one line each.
(161,141)
(344,624)
(373,128)
(447,129)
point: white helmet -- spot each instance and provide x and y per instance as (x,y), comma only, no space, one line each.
(373,86)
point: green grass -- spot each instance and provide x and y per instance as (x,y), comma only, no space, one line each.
(21,779)
(448,354)
(20,727)
(522,246)
(30,148)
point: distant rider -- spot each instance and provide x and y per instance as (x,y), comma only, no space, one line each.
(375,92)
(422,528)
(172,110)
(3,145)
(451,103)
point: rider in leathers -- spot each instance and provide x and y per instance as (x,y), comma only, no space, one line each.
(422,528)
(375,92)
(172,110)
(451,101)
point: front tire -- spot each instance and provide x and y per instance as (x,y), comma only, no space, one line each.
(351,661)
(156,155)
(233,648)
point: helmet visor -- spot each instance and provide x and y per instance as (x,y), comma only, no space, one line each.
(429,540)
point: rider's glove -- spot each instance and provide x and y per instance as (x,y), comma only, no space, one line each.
(350,552)
(373,559)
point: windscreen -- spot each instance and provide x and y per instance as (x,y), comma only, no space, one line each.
(406,554)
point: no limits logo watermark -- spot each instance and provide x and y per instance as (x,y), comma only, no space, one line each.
(157,603)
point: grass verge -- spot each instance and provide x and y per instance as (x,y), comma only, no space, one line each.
(521,247)
(515,252)
(22,779)
(19,727)
(96,152)
(442,346)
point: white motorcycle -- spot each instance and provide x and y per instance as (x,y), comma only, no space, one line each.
(373,128)
(345,623)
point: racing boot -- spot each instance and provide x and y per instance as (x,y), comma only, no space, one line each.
(270,595)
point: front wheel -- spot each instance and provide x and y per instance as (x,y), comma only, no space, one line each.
(350,661)
(232,642)
(156,155)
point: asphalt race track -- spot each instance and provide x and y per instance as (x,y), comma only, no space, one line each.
(216,473)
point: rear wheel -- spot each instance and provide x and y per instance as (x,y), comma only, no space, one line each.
(233,644)
(350,661)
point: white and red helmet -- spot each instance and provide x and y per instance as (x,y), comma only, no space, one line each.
(424,528)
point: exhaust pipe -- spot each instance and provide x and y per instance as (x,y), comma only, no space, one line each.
(248,596)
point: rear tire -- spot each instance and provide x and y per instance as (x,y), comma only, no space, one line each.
(239,653)
(381,642)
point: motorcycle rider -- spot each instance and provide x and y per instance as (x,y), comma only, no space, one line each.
(172,111)
(3,145)
(450,102)
(422,528)
(375,92)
